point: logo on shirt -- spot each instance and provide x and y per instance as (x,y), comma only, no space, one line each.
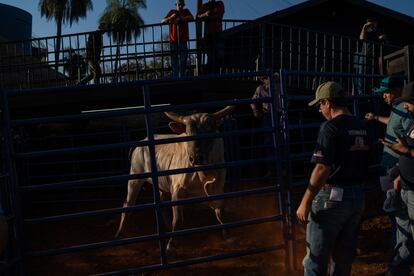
(359,144)
(411,134)
(318,154)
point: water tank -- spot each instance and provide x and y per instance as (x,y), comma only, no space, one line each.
(15,23)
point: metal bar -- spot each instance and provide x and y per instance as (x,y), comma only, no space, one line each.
(166,235)
(142,175)
(194,261)
(162,204)
(154,169)
(13,182)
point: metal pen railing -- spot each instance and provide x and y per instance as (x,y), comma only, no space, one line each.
(248,46)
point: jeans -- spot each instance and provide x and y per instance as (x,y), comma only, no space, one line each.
(404,257)
(179,54)
(214,48)
(95,73)
(332,231)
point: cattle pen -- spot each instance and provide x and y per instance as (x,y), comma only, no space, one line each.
(65,150)
(66,179)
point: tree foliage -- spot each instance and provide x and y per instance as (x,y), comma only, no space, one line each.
(123,20)
(63,12)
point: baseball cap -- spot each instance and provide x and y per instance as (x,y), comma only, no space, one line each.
(328,90)
(407,93)
(389,83)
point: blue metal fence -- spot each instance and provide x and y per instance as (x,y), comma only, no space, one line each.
(25,190)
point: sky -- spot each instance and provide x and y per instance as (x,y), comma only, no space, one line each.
(156,9)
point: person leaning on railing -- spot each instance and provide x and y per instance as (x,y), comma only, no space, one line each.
(178,37)
(262,112)
(212,13)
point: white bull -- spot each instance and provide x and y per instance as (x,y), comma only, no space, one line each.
(183,155)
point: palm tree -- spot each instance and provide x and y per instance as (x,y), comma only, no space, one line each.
(123,20)
(62,12)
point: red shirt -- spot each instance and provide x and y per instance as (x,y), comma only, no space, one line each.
(213,25)
(179,32)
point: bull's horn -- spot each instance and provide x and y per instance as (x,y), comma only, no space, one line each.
(175,117)
(221,113)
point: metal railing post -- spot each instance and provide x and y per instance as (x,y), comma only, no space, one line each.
(263,42)
(13,183)
(156,191)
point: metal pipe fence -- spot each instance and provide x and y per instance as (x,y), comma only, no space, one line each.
(248,46)
(69,184)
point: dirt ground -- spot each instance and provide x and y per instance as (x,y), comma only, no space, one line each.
(372,260)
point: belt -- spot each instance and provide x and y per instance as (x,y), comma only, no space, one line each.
(327,185)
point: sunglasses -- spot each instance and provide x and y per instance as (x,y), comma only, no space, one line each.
(321,102)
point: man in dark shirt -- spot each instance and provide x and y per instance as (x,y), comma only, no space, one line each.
(334,199)
(371,32)
(93,55)
(401,264)
(212,13)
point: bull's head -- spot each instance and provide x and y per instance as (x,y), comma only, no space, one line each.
(199,123)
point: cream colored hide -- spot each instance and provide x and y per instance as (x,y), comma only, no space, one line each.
(183,155)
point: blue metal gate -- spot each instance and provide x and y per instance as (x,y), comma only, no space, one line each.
(79,192)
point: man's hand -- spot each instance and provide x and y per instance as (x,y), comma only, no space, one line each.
(370,116)
(367,26)
(396,183)
(400,147)
(257,114)
(302,213)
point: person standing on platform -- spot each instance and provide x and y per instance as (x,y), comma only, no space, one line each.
(93,55)
(212,13)
(178,37)
(334,200)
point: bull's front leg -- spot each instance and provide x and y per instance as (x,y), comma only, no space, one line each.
(178,218)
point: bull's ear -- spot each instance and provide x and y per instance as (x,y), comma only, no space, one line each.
(177,127)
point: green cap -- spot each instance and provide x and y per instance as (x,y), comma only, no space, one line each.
(328,90)
(388,83)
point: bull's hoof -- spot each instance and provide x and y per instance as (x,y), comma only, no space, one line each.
(171,251)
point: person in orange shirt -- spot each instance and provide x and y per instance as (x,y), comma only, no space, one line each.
(178,20)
